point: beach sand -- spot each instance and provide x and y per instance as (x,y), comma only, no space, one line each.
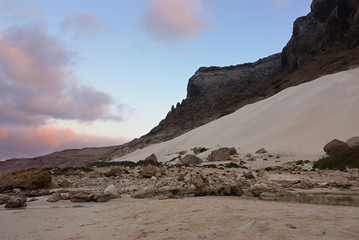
(188,218)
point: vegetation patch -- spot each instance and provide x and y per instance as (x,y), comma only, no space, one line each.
(340,161)
(232,165)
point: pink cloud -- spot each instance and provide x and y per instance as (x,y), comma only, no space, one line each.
(37,83)
(31,142)
(173,20)
(84,24)
(4,133)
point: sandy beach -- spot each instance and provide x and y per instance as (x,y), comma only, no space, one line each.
(188,218)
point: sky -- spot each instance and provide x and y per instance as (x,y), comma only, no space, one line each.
(89,73)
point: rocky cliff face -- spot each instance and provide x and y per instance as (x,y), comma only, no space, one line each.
(323,42)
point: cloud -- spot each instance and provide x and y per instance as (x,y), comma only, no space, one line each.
(37,83)
(31,142)
(83,25)
(172,21)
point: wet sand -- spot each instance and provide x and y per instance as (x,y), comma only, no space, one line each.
(188,218)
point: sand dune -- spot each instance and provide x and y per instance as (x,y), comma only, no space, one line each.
(298,120)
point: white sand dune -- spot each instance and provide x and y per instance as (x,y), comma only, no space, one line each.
(297,120)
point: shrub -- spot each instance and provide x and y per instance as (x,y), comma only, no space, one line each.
(340,161)
(232,165)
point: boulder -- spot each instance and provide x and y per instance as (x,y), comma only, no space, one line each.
(4,199)
(16,202)
(54,197)
(221,154)
(149,171)
(104,197)
(82,197)
(261,151)
(191,159)
(335,146)
(25,180)
(258,188)
(112,190)
(353,142)
(152,158)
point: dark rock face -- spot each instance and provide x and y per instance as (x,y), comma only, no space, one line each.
(25,179)
(335,146)
(209,79)
(331,26)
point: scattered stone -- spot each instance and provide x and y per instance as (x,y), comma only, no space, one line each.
(82,197)
(152,158)
(191,159)
(335,146)
(221,154)
(149,171)
(39,192)
(25,180)
(16,202)
(261,151)
(104,197)
(258,188)
(54,197)
(114,172)
(65,183)
(353,142)
(249,174)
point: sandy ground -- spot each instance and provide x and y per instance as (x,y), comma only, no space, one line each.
(188,218)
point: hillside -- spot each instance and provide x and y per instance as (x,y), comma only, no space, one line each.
(297,121)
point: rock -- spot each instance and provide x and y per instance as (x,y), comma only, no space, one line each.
(249,174)
(25,180)
(152,158)
(37,193)
(54,197)
(104,197)
(353,142)
(258,188)
(4,199)
(335,146)
(191,159)
(111,189)
(149,171)
(199,183)
(16,202)
(114,172)
(221,154)
(261,151)
(82,197)
(65,183)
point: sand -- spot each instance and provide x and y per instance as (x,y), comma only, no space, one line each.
(297,121)
(189,218)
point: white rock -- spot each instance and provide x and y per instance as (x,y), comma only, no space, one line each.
(111,189)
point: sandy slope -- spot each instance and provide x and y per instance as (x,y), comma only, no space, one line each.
(189,218)
(298,120)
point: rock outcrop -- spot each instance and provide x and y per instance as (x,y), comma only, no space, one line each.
(25,179)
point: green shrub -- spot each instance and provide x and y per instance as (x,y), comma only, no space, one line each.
(340,161)
(232,165)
